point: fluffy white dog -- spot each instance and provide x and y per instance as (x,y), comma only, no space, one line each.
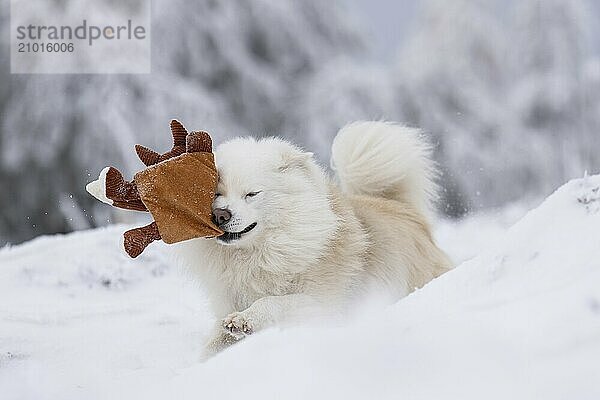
(298,245)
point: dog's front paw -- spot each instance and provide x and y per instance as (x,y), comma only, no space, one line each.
(220,341)
(238,325)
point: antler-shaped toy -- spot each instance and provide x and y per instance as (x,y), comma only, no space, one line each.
(150,157)
(177,188)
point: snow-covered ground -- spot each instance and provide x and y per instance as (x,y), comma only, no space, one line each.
(520,319)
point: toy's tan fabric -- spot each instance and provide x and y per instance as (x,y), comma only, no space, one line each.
(179,194)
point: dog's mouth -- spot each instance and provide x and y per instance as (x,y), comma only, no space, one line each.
(228,237)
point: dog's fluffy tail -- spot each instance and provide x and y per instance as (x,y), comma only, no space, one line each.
(386,160)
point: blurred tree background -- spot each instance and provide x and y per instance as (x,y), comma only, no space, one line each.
(508,90)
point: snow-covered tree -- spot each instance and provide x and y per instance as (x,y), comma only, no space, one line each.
(502,91)
(549,91)
(508,89)
(343,92)
(231,67)
(453,86)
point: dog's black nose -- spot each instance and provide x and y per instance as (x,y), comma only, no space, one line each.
(221,216)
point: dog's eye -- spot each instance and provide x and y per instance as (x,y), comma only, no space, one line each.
(218,195)
(252,194)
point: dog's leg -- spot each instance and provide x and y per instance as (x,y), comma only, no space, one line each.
(268,311)
(220,340)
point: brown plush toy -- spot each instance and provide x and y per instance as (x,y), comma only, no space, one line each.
(177,188)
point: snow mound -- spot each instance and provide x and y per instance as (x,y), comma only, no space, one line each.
(521,320)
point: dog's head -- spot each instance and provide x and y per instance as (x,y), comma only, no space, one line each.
(264,185)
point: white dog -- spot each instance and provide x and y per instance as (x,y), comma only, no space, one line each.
(297,245)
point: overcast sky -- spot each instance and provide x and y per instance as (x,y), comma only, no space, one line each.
(389,21)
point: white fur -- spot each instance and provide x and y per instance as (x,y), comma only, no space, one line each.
(97,188)
(386,160)
(316,250)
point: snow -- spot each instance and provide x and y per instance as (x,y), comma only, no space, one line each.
(519,319)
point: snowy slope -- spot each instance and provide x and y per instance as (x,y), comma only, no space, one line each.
(78,320)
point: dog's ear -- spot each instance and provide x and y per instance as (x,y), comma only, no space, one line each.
(295,159)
